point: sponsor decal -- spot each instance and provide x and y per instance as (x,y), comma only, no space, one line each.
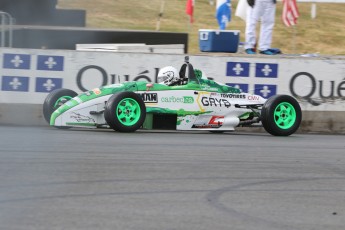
(215,102)
(242,87)
(46,85)
(149,86)
(173,99)
(237,69)
(253,98)
(50,63)
(12,83)
(81,118)
(113,86)
(217,120)
(149,97)
(266,70)
(16,61)
(265,91)
(208,122)
(97,91)
(230,95)
(208,88)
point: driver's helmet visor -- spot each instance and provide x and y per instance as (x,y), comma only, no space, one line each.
(162,78)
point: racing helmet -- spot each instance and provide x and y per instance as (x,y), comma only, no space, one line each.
(168,75)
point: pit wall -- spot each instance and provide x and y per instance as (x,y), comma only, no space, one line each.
(28,75)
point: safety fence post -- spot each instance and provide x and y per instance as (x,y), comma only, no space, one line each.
(6,29)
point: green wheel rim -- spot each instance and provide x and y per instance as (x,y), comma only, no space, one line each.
(128,111)
(285,115)
(61,101)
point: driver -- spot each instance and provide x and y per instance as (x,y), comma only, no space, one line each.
(168,76)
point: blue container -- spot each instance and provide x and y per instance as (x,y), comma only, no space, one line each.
(219,40)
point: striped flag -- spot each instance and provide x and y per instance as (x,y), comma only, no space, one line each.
(223,13)
(290,12)
(190,9)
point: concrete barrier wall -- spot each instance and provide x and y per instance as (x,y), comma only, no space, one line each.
(22,115)
(28,75)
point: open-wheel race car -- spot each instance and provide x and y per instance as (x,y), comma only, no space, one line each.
(192,103)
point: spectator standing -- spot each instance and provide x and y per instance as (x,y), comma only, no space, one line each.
(264,11)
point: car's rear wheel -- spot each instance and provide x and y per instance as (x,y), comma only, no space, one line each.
(125,112)
(54,100)
(281,115)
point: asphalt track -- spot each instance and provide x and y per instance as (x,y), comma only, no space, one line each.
(100,179)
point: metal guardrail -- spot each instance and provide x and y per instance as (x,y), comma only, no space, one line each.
(6,29)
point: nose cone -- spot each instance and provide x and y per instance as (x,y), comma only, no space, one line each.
(63,108)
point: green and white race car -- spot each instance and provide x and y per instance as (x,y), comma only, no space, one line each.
(195,104)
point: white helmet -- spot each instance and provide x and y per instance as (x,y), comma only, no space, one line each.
(168,75)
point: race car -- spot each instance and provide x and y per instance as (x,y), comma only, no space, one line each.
(196,103)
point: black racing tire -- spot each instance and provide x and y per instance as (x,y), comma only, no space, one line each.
(125,112)
(54,100)
(281,115)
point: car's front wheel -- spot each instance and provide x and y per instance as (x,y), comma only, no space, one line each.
(125,112)
(54,100)
(281,115)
